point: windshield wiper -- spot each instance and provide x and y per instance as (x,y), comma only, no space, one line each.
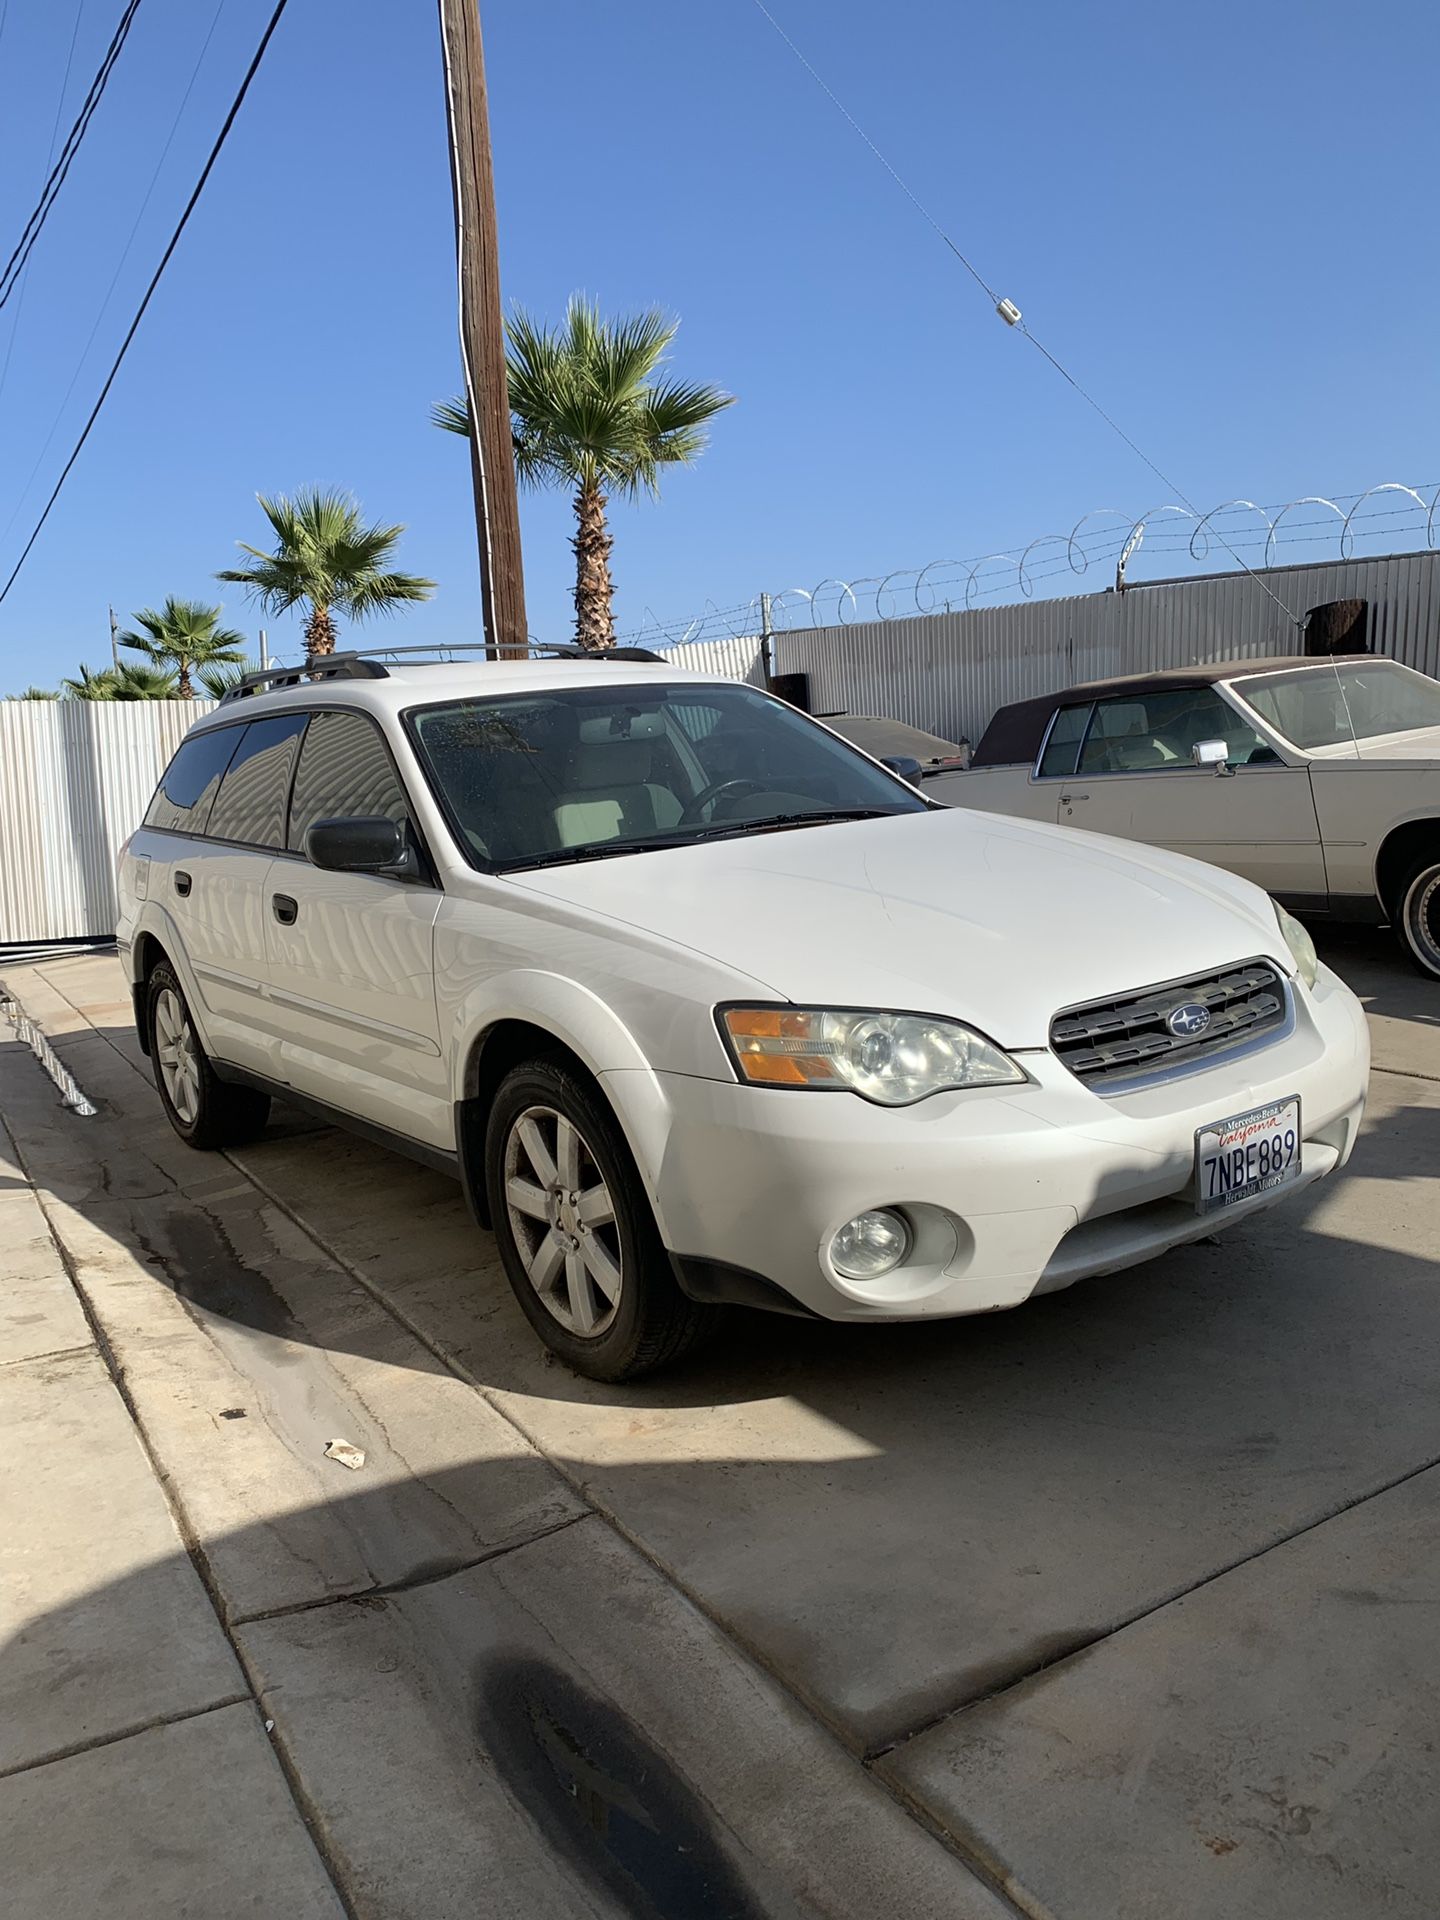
(819,818)
(592,850)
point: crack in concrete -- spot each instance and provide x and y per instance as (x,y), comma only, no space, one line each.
(1087,1642)
(55,1353)
(428,1575)
(127,1733)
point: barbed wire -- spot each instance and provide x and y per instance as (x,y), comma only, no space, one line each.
(954,585)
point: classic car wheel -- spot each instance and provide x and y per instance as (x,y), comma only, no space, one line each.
(576,1232)
(1418,919)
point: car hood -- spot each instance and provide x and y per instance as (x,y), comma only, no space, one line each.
(992,920)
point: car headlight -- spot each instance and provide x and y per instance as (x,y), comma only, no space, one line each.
(1302,947)
(892,1058)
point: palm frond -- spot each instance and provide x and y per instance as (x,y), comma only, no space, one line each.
(452,416)
(219,679)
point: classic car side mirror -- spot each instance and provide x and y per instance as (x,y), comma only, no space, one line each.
(904,765)
(1212,753)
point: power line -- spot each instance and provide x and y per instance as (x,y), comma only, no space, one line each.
(40,213)
(119,268)
(49,157)
(190,205)
(1007,310)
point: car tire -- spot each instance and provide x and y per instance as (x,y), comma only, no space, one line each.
(576,1231)
(203,1109)
(1416,915)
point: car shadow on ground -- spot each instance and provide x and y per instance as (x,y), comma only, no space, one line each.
(1078,1462)
(894,1520)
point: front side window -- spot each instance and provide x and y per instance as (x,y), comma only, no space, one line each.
(1062,745)
(345,772)
(250,806)
(1156,732)
(1337,706)
(188,786)
(578,772)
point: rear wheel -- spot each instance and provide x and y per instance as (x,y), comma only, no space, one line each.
(576,1232)
(1417,915)
(202,1108)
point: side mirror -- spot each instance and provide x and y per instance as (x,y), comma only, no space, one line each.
(904,766)
(1212,753)
(367,844)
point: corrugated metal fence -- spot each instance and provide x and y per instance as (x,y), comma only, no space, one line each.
(949,672)
(75,777)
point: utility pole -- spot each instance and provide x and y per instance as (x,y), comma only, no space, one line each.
(114,639)
(482,332)
(767,640)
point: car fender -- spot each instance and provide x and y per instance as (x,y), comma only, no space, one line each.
(155,920)
(591,1029)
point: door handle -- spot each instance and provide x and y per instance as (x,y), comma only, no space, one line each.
(284,908)
(1066,798)
(182,881)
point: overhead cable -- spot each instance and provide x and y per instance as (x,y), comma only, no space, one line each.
(190,205)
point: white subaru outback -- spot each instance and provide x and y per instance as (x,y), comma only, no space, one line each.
(703,1005)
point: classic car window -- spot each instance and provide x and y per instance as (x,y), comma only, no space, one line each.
(1063,744)
(1331,706)
(1155,732)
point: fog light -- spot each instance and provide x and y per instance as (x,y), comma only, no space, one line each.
(871,1245)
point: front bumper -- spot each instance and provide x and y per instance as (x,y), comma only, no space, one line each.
(1011,1192)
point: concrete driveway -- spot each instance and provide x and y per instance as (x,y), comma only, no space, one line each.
(1116,1607)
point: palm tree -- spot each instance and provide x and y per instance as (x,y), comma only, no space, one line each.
(217,681)
(33,693)
(89,685)
(137,680)
(327,562)
(588,414)
(130,681)
(182,635)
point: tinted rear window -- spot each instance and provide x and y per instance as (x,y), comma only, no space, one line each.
(250,806)
(187,789)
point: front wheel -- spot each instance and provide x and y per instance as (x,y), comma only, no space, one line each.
(202,1108)
(576,1232)
(1417,915)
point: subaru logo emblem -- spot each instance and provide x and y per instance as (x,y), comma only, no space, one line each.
(1189,1021)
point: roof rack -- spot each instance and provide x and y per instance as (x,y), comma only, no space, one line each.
(328,666)
(364,666)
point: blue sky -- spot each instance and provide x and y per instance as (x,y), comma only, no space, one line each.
(1224,225)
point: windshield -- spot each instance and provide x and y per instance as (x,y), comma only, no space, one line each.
(1333,705)
(582,772)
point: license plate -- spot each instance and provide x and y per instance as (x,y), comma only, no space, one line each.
(1252,1153)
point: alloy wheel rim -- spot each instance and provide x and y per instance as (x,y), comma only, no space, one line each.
(1422,917)
(562,1220)
(176,1052)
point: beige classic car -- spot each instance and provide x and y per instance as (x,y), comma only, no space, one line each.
(1318,779)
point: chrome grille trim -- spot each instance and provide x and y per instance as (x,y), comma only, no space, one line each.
(1122,1044)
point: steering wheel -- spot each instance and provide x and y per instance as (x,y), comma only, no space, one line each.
(717,790)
